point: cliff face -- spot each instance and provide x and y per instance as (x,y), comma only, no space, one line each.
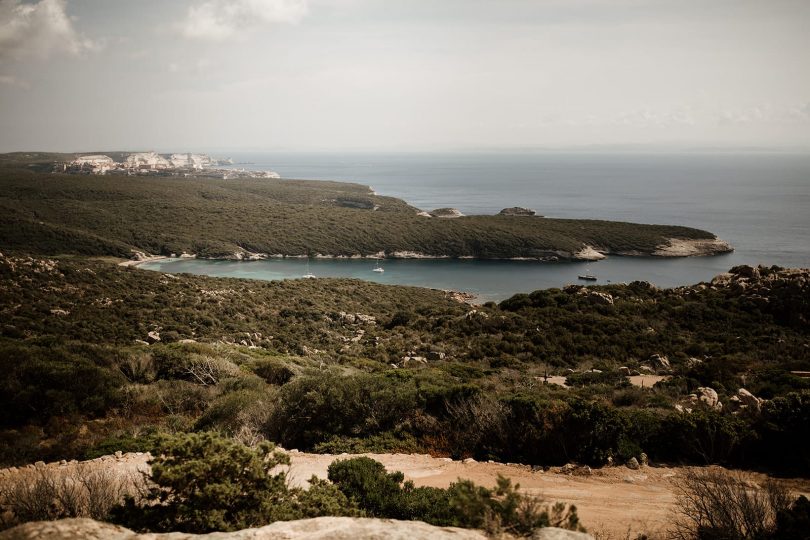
(679,247)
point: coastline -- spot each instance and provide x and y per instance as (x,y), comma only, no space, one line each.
(676,248)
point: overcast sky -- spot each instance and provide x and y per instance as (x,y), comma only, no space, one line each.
(78,75)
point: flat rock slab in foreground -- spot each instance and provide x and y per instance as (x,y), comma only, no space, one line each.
(332,528)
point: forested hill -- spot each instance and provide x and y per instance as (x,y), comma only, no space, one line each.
(48,213)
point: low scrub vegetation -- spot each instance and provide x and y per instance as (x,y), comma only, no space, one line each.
(714,504)
(282,361)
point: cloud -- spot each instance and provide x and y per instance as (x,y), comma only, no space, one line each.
(38,29)
(221,19)
(11,80)
(764,114)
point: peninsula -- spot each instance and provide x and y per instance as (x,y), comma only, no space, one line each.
(181,209)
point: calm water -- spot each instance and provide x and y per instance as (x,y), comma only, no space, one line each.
(758,202)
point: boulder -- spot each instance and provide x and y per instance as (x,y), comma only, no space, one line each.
(153,336)
(708,396)
(660,363)
(554,533)
(693,362)
(322,528)
(446,213)
(748,399)
(576,470)
(624,370)
(517,211)
(597,298)
(745,271)
(633,464)
(435,355)
(643,459)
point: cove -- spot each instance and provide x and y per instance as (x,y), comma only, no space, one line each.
(488,280)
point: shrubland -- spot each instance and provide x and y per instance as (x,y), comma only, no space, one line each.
(283,361)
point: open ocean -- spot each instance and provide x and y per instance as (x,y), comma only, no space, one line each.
(758,202)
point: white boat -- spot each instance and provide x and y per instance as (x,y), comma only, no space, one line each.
(378,268)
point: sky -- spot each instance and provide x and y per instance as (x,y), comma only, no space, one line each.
(403,75)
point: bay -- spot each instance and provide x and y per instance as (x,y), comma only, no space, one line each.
(757,201)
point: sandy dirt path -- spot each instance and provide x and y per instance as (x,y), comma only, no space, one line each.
(613,502)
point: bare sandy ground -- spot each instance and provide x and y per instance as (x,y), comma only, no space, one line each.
(613,502)
(645,381)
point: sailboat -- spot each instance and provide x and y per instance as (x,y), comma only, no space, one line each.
(378,268)
(587,276)
(309,275)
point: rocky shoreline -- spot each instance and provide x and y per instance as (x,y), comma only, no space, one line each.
(677,247)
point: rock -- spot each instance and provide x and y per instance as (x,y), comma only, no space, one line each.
(554,533)
(693,362)
(708,396)
(745,271)
(749,400)
(469,460)
(435,355)
(446,213)
(596,297)
(624,370)
(633,464)
(517,211)
(365,319)
(323,528)
(643,459)
(153,336)
(660,363)
(576,470)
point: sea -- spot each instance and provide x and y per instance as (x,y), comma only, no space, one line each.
(757,201)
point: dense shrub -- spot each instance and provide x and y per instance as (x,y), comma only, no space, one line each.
(37,383)
(463,504)
(203,482)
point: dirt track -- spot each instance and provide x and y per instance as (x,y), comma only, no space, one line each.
(613,502)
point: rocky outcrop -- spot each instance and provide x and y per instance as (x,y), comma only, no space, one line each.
(782,292)
(680,247)
(660,363)
(447,213)
(745,402)
(588,253)
(708,396)
(323,528)
(517,211)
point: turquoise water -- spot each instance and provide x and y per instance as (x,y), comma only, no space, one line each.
(758,202)
(488,280)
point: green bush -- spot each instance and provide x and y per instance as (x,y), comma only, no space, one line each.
(503,509)
(203,482)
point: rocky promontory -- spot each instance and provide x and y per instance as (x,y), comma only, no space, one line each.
(447,213)
(517,211)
